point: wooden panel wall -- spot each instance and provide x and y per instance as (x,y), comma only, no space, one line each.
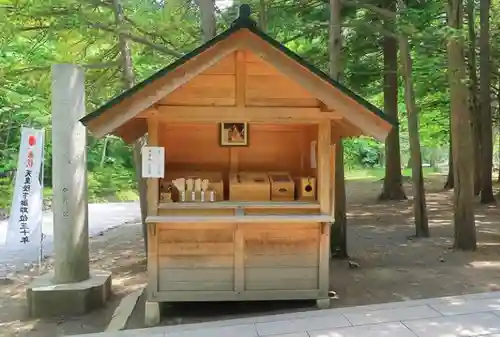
(271,148)
(215,86)
(264,86)
(196,258)
(191,147)
(236,257)
(281,259)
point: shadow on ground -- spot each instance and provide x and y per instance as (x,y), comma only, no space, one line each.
(393,266)
(120,251)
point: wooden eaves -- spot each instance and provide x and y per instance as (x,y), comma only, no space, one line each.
(125,115)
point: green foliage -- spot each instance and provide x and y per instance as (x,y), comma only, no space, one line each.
(36,34)
(111,182)
(362,153)
(5,193)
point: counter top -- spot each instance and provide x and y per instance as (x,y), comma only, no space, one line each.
(238,204)
(242,218)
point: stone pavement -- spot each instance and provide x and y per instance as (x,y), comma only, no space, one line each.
(468,315)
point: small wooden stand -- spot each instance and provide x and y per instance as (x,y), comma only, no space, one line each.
(256,241)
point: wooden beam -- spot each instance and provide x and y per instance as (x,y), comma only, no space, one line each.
(244,114)
(132,130)
(342,128)
(155,91)
(153,183)
(324,174)
(346,107)
(332,181)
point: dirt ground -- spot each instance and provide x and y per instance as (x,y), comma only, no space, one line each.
(119,250)
(393,266)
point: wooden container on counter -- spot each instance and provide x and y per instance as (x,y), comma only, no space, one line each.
(306,188)
(282,186)
(249,186)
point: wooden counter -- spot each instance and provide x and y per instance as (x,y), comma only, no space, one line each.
(260,258)
(238,204)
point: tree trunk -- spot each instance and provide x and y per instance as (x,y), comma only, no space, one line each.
(450,182)
(208,23)
(263,15)
(473,101)
(393,180)
(104,150)
(128,79)
(498,126)
(462,150)
(485,99)
(419,204)
(339,228)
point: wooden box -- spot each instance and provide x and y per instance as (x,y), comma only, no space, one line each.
(215,178)
(249,186)
(306,189)
(282,186)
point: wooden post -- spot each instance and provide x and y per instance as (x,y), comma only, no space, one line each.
(324,173)
(332,182)
(324,197)
(153,183)
(152,309)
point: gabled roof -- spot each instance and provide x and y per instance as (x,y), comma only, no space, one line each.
(243,22)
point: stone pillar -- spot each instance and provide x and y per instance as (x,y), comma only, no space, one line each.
(72,289)
(69,175)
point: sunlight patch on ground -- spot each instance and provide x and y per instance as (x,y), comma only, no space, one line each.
(378,173)
(485,264)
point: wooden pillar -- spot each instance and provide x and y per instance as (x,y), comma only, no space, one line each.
(333,148)
(153,183)
(324,197)
(324,167)
(152,308)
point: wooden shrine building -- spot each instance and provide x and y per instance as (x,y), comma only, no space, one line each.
(244,206)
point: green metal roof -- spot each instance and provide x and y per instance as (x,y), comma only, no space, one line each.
(242,22)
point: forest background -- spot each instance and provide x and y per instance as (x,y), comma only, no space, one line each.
(36,34)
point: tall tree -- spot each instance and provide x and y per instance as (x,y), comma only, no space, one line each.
(419,205)
(392,188)
(335,47)
(450,181)
(207,11)
(263,15)
(128,80)
(485,100)
(463,201)
(473,94)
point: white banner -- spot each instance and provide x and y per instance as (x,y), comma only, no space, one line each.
(25,222)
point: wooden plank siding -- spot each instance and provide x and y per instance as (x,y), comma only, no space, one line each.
(237,258)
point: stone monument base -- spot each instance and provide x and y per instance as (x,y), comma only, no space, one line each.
(47,299)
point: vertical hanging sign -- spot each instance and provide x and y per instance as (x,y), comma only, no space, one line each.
(27,202)
(153,162)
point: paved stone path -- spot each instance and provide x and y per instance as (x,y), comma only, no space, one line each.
(468,315)
(102,217)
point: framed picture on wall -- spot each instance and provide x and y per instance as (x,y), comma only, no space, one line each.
(233,134)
